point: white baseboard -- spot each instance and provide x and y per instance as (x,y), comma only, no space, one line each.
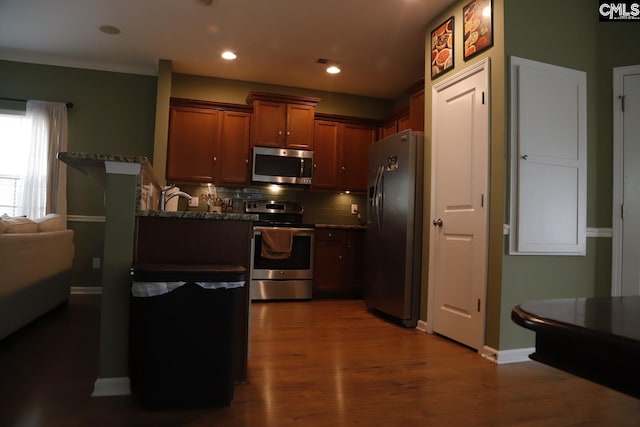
(502,357)
(86,290)
(116,386)
(421,326)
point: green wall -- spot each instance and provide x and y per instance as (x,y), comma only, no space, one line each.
(113,113)
(569,34)
(235,92)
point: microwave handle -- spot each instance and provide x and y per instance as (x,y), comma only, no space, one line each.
(301,168)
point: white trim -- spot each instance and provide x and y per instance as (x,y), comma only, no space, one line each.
(618,180)
(86,290)
(591,231)
(422,326)
(503,357)
(599,232)
(115,386)
(86,218)
(122,168)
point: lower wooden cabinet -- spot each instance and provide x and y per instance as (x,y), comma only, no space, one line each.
(338,263)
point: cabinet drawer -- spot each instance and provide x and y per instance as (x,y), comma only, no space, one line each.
(334,234)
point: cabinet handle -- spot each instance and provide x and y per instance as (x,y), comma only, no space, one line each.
(246,160)
(343,168)
(340,257)
(315,166)
(330,236)
(215,159)
(279,132)
(288,133)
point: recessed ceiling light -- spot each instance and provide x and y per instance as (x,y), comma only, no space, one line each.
(110,29)
(229,55)
(333,69)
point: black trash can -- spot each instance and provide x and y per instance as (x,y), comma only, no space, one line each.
(183,334)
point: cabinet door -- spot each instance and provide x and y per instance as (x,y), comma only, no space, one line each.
(300,122)
(389,128)
(416,110)
(404,122)
(234,142)
(354,272)
(268,123)
(325,155)
(329,263)
(193,145)
(355,142)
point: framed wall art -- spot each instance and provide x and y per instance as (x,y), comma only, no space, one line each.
(442,48)
(478,27)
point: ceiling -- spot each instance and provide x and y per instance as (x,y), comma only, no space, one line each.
(378,43)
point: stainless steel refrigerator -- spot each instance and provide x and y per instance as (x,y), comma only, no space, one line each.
(393,253)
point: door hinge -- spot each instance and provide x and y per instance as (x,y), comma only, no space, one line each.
(478,307)
(621,97)
(622,211)
(483,98)
(482,200)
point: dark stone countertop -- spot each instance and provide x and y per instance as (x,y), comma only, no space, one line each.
(199,215)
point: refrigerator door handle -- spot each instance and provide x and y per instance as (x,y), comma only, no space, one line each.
(374,198)
(379,198)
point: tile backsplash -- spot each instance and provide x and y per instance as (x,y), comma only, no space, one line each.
(319,207)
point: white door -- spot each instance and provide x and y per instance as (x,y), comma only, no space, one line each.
(629,109)
(458,238)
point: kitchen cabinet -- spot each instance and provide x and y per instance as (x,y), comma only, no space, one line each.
(399,122)
(208,143)
(282,121)
(325,155)
(338,263)
(341,154)
(355,141)
(193,146)
(234,148)
(416,110)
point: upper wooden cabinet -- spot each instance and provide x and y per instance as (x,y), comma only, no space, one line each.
(282,120)
(416,110)
(340,154)
(355,141)
(325,155)
(208,143)
(194,144)
(234,148)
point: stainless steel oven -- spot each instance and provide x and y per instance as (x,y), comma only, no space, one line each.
(284,278)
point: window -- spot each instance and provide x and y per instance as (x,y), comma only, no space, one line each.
(14,146)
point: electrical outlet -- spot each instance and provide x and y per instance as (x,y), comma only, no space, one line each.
(96,263)
(354,209)
(194,202)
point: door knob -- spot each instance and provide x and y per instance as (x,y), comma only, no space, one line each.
(437,222)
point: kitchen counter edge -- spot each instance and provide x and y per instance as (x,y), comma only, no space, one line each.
(199,215)
(343,226)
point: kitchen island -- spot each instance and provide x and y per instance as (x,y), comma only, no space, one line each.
(200,238)
(594,338)
(136,232)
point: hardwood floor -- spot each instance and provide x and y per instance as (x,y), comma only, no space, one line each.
(318,363)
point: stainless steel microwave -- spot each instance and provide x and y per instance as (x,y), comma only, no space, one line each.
(282,166)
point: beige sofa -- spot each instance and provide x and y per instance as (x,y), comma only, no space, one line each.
(35,269)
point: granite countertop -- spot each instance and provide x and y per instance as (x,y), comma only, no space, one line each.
(343,226)
(199,215)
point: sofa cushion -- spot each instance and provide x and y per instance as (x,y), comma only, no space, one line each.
(50,222)
(19,225)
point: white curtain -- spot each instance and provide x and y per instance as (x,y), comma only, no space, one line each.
(45,185)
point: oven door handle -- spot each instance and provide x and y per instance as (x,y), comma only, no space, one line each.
(257,231)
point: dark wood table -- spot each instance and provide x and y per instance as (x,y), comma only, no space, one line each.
(594,338)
